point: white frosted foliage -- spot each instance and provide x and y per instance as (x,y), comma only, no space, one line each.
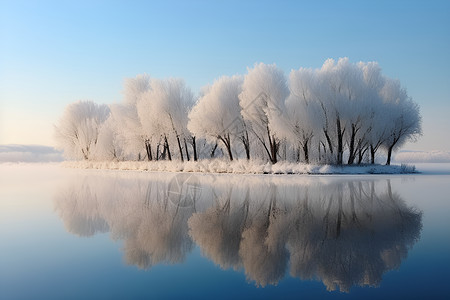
(340,113)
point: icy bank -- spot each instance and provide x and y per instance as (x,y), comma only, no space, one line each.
(239,167)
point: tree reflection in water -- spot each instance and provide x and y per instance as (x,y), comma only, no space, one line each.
(342,232)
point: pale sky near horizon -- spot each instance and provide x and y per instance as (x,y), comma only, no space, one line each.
(56,52)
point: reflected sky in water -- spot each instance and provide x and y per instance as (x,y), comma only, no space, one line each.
(94,234)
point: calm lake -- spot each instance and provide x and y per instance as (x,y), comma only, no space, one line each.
(78,234)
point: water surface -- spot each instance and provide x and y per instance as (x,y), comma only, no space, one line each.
(116,234)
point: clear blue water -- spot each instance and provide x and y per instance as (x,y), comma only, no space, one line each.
(74,234)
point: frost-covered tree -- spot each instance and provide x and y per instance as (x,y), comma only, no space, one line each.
(341,109)
(165,108)
(77,131)
(335,91)
(299,122)
(217,114)
(135,87)
(369,134)
(357,107)
(264,92)
(357,96)
(109,146)
(402,117)
(129,128)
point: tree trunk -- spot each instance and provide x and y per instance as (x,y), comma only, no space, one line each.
(85,154)
(186,149)
(157,152)
(352,150)
(179,148)
(340,135)
(226,141)
(247,150)
(246,143)
(360,156)
(305,151)
(194,145)
(148,148)
(328,140)
(389,154)
(230,154)
(273,145)
(361,152)
(320,153)
(150,151)
(166,148)
(372,154)
(391,147)
(213,151)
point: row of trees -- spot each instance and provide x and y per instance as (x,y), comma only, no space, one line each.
(341,113)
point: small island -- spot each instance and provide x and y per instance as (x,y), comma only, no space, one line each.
(335,119)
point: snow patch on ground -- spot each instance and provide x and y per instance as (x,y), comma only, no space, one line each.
(239,167)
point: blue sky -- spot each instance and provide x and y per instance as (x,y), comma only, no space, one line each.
(56,52)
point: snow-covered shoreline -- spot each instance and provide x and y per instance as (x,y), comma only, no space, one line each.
(240,167)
